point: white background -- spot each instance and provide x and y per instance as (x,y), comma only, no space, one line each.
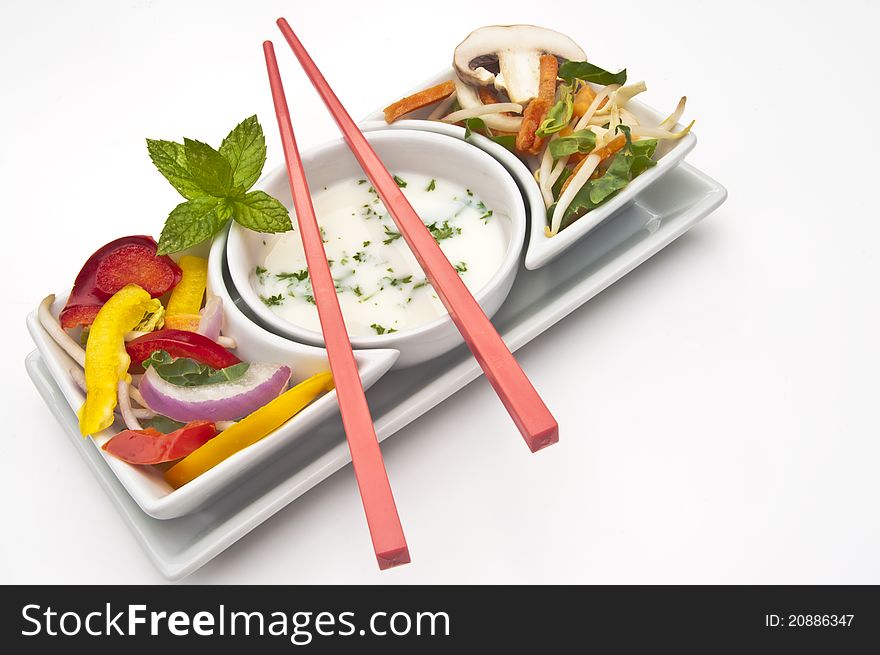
(717,406)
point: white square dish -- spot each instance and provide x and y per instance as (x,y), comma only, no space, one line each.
(542,249)
(145,484)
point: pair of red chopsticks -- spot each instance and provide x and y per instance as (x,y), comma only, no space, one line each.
(529,413)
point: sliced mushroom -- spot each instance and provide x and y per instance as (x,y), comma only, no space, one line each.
(513,52)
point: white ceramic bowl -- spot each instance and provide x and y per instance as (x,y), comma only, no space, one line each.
(402,150)
(541,248)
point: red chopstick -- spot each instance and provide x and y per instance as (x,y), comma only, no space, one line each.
(369,468)
(529,413)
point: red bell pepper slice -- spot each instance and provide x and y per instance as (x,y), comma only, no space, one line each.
(150,446)
(180,343)
(127,260)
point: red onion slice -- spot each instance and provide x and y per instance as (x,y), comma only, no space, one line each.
(212,318)
(225,401)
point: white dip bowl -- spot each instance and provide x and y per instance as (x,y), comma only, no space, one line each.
(415,152)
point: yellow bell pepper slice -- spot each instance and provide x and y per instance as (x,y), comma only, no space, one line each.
(248,430)
(106,359)
(186,298)
(188,322)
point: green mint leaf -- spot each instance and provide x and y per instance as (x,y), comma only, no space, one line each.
(189,223)
(169,157)
(209,168)
(587,72)
(224,210)
(261,212)
(245,150)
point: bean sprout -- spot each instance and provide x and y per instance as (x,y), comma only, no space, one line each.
(475,112)
(59,336)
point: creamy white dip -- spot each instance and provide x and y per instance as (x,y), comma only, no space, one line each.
(380,286)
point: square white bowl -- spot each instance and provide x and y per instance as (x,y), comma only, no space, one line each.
(542,249)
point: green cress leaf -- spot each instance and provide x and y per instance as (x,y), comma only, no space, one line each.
(557,188)
(587,72)
(169,157)
(582,141)
(506,140)
(245,150)
(228,374)
(643,152)
(189,223)
(559,114)
(209,168)
(186,372)
(163,424)
(631,161)
(472,125)
(157,358)
(260,212)
(615,178)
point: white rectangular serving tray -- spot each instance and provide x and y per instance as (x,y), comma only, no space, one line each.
(539,298)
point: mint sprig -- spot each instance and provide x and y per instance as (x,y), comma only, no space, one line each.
(245,150)
(215,184)
(170,158)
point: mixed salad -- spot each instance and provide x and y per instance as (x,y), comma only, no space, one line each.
(531,90)
(147,338)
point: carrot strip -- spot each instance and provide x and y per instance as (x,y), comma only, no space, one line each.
(488,96)
(611,147)
(547,81)
(533,116)
(418,100)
